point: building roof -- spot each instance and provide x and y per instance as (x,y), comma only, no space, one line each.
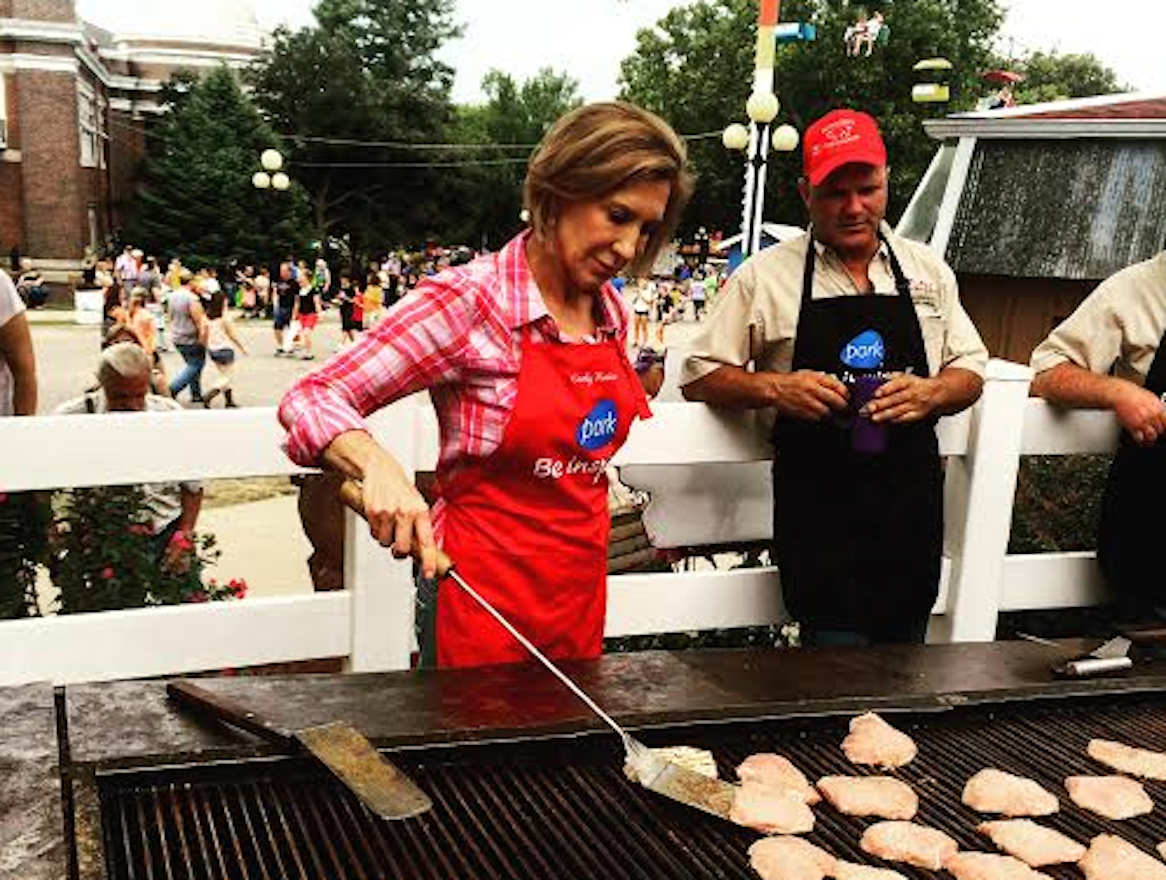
(206,22)
(1068,189)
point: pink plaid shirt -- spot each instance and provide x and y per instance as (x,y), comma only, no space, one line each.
(459,335)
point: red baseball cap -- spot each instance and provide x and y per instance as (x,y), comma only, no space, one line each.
(840,138)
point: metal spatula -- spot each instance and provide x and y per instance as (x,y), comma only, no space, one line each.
(656,774)
(379,785)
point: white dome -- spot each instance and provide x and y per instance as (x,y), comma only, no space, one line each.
(228,22)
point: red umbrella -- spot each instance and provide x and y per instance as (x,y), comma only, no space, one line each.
(1002,76)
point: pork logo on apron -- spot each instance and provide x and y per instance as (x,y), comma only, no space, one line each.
(864,352)
(598,428)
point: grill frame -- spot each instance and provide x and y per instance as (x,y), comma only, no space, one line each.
(506,810)
(820,687)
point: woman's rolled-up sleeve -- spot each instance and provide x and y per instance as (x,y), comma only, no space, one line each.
(416,346)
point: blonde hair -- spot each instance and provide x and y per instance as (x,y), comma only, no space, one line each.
(597,149)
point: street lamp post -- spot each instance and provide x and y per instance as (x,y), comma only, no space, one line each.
(758,139)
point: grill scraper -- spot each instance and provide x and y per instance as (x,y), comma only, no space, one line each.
(656,774)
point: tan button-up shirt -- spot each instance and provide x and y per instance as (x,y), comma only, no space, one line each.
(756,316)
(1118,327)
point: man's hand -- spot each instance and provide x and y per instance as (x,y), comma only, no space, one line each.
(907,398)
(807,394)
(1140,412)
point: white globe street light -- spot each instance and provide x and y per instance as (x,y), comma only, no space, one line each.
(280,181)
(735,137)
(271,160)
(261,179)
(762,107)
(785,139)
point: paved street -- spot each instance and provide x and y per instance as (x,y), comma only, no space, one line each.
(67,355)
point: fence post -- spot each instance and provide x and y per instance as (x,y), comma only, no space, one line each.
(979,495)
(381,586)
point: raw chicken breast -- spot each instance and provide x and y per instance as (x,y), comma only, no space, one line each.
(872,741)
(850,871)
(790,858)
(771,810)
(776,771)
(882,796)
(910,843)
(1033,844)
(1111,858)
(989,866)
(1114,797)
(1127,759)
(994,791)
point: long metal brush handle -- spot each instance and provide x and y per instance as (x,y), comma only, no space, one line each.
(536,653)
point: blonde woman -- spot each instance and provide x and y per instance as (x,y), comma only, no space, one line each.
(524,353)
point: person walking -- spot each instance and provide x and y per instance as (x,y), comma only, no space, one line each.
(188,329)
(307,310)
(346,297)
(222,345)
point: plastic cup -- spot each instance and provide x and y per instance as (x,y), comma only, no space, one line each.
(866,436)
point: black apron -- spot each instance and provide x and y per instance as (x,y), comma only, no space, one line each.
(858,537)
(1131,525)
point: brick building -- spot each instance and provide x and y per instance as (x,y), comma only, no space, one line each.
(76,100)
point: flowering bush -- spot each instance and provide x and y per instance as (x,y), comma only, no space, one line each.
(103,555)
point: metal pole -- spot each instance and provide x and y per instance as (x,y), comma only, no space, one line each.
(759,133)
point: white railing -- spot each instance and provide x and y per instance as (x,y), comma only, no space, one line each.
(370,622)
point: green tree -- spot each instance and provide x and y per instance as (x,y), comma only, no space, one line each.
(195,198)
(487,189)
(1050,76)
(366,73)
(695,68)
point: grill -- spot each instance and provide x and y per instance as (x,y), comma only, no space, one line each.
(559,807)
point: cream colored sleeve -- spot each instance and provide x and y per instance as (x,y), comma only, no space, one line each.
(732,334)
(962,346)
(1091,337)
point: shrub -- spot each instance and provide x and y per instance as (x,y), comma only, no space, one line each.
(102,556)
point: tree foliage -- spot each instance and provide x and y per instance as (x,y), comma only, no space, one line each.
(195,198)
(366,72)
(1050,77)
(695,68)
(515,116)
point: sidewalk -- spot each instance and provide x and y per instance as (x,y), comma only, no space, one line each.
(263,543)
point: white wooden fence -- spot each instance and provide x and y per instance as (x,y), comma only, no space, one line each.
(370,622)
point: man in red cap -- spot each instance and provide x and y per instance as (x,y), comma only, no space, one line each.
(859,344)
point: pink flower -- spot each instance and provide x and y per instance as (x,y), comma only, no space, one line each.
(107,572)
(196,597)
(140,529)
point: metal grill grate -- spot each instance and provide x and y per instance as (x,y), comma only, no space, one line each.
(561,808)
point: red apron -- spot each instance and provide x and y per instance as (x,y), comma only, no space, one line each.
(528,525)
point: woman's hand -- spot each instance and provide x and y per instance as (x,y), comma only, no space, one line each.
(397,514)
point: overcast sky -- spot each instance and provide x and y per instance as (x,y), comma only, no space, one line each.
(588,38)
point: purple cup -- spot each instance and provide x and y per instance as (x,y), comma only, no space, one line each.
(866,436)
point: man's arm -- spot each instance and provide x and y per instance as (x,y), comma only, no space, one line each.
(191,505)
(1139,411)
(804,394)
(16,351)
